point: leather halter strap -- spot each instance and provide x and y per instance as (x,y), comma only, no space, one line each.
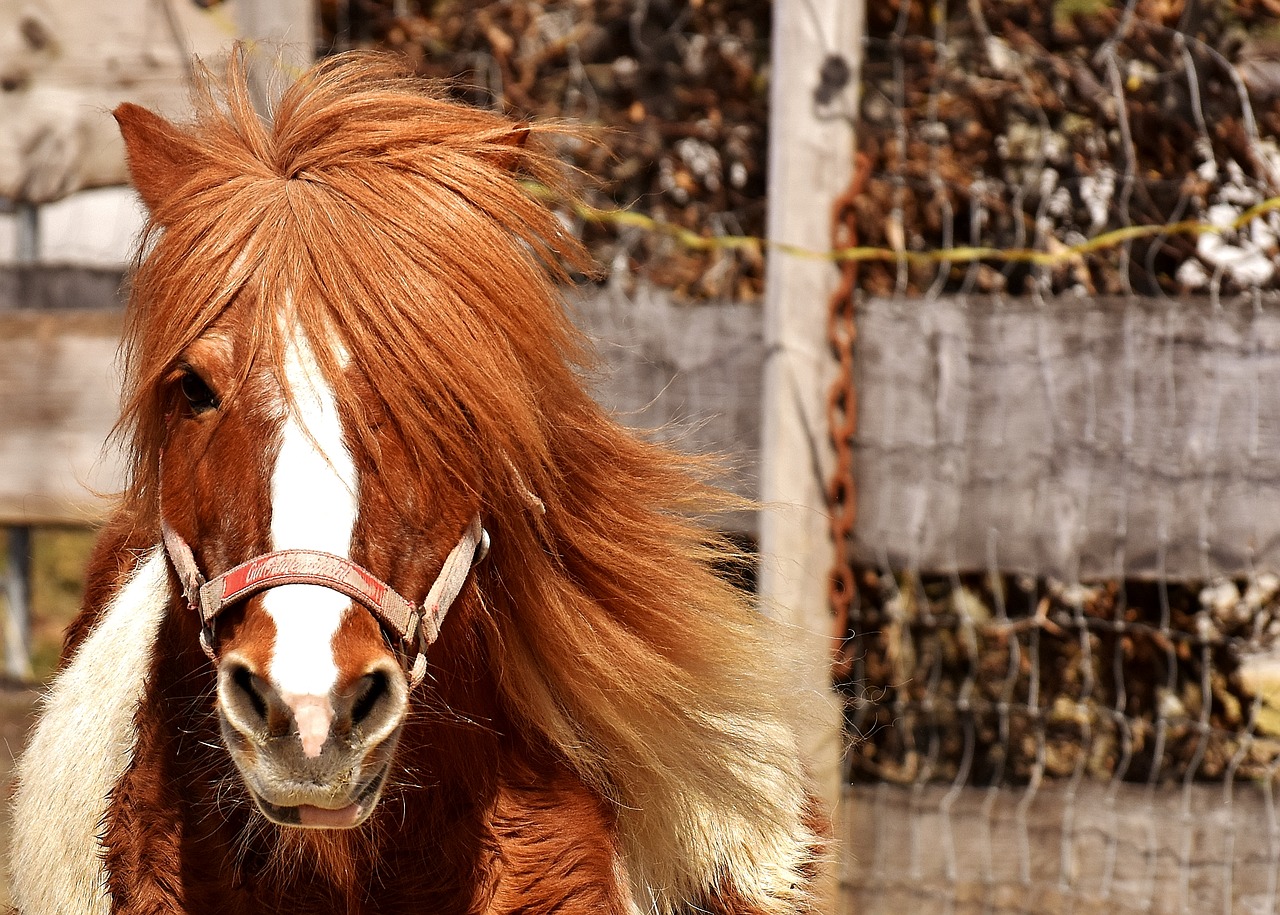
(415,626)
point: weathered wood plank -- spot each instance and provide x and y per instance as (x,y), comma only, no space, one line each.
(63,287)
(687,374)
(57,372)
(283,46)
(1079,438)
(1089,850)
(70,62)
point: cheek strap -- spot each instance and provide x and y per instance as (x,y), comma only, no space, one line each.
(415,626)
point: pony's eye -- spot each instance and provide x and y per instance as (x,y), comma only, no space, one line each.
(199,395)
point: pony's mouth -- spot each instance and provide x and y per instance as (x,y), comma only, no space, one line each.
(310,816)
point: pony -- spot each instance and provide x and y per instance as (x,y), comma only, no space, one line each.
(298,683)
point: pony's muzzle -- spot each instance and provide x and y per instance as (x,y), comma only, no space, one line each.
(316,760)
(361,715)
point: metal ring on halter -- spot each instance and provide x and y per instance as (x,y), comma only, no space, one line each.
(206,641)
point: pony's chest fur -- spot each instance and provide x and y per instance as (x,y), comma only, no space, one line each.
(537,848)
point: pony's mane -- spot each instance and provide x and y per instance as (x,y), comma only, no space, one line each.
(398,220)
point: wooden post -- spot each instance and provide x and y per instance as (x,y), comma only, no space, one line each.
(17,619)
(17,622)
(815,43)
(27,241)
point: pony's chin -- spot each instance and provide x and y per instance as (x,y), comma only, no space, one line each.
(309,816)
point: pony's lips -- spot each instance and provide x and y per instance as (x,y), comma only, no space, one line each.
(309,816)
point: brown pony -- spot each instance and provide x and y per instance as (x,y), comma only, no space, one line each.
(297,684)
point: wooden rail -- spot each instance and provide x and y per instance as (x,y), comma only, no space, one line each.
(57,372)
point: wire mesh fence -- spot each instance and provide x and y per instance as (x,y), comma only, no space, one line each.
(1060,658)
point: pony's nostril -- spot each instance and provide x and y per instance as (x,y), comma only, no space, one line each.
(370,690)
(248,691)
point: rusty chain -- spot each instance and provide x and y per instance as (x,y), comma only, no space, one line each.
(842,417)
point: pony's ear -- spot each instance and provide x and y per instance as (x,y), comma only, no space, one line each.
(160,155)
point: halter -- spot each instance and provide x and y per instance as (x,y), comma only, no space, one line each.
(416,627)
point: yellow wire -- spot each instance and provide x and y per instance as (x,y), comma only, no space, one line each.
(963,254)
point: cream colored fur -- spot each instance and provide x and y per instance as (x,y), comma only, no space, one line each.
(766,853)
(720,804)
(80,750)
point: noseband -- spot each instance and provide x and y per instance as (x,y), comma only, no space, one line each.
(416,627)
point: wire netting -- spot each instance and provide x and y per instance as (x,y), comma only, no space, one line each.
(1037,126)
(1061,660)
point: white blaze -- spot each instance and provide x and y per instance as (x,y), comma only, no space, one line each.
(313,507)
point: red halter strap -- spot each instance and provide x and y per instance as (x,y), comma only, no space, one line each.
(416,627)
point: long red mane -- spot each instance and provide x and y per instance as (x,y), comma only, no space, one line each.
(399,220)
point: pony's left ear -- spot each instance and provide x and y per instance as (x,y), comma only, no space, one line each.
(161,156)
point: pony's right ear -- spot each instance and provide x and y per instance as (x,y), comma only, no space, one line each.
(160,155)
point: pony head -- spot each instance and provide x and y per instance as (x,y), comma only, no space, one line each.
(307,346)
